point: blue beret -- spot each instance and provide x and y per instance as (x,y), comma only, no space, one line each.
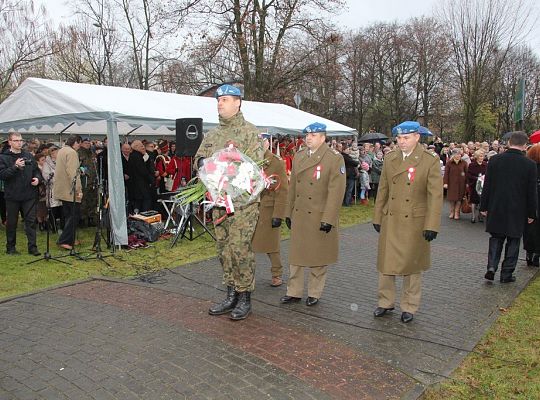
(405,127)
(315,127)
(228,90)
(424,131)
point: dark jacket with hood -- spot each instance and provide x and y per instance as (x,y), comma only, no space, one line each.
(18,182)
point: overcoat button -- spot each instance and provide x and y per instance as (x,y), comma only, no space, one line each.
(406,216)
(406,199)
(309,212)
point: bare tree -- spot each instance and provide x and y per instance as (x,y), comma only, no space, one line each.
(23,41)
(431,49)
(482,33)
(258,32)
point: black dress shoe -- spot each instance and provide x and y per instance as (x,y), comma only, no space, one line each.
(12,252)
(34,251)
(311,301)
(490,275)
(511,278)
(535,261)
(380,311)
(406,317)
(289,299)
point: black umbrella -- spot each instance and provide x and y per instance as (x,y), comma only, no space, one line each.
(373,137)
(507,135)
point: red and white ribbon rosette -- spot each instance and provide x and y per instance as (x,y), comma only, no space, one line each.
(231,178)
(410,174)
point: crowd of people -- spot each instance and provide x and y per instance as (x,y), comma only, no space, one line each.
(406,176)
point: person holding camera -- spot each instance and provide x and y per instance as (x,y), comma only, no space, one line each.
(21,177)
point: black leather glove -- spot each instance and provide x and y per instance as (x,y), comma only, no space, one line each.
(377,227)
(288,222)
(430,235)
(200,162)
(276,222)
(325,227)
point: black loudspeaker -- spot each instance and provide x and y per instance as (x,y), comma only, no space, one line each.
(189,136)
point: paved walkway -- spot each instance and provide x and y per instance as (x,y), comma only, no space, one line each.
(106,339)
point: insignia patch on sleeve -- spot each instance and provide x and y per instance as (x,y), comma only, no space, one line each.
(342,169)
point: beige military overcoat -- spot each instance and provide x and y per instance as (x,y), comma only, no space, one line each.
(409,201)
(316,192)
(273,204)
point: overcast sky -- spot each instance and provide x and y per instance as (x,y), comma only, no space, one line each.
(360,13)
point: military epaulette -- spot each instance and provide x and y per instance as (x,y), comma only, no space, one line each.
(431,154)
(335,151)
(301,150)
(390,155)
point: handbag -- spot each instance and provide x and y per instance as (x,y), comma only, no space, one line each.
(465,205)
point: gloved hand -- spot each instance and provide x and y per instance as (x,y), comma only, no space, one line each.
(430,235)
(200,162)
(325,227)
(276,222)
(288,222)
(377,227)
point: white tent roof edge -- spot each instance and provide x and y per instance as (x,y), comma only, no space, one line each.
(40,105)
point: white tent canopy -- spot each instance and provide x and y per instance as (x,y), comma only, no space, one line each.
(41,105)
(46,106)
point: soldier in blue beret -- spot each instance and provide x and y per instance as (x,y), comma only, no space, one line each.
(228,90)
(315,127)
(316,191)
(235,233)
(406,127)
(408,215)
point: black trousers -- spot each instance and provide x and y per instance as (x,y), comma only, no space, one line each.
(28,209)
(511,253)
(2,207)
(71,212)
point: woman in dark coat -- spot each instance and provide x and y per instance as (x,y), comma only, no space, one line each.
(476,168)
(531,235)
(455,178)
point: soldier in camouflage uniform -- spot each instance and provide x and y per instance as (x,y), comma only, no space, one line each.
(88,182)
(235,233)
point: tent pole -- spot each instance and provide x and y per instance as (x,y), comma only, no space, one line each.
(116,190)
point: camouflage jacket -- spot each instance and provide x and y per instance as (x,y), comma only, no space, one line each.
(237,130)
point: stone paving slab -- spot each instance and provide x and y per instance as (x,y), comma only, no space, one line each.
(108,339)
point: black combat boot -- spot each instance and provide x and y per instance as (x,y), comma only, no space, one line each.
(529,259)
(243,308)
(226,305)
(535,261)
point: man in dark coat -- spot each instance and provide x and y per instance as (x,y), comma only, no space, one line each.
(141,178)
(21,177)
(351,172)
(509,201)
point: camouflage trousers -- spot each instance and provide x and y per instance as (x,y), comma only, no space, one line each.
(88,203)
(234,249)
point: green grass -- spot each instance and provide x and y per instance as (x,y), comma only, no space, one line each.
(16,277)
(506,362)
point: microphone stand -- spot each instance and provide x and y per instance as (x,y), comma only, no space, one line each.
(96,248)
(47,255)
